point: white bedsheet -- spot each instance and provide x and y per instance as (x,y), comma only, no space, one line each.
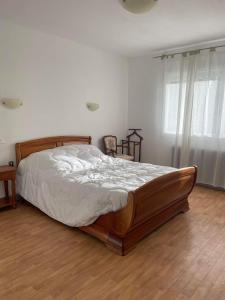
(76,184)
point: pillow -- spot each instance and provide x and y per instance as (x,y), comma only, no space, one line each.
(75,156)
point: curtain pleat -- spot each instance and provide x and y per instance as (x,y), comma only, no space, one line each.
(192,100)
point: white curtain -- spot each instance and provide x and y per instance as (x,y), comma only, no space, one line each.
(192,113)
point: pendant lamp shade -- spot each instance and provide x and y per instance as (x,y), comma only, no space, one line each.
(138,6)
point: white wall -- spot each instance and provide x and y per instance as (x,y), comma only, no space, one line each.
(142,94)
(55,77)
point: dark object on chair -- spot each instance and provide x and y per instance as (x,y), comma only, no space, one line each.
(134,141)
(112,148)
(11,163)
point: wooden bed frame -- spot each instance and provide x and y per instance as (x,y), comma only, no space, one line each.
(148,207)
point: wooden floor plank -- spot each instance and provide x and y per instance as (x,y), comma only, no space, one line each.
(184,259)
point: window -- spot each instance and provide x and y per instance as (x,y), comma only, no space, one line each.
(203,109)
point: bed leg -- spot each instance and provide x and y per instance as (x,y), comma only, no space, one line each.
(119,245)
(115,244)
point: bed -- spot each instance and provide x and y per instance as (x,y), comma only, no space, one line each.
(147,207)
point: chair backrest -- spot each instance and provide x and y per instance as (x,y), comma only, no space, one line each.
(110,142)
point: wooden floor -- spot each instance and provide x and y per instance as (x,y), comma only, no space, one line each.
(184,259)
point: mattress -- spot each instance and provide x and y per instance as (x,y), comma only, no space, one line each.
(76,184)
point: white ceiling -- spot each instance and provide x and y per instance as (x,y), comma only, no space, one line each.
(105,24)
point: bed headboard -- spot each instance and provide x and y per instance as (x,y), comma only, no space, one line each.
(24,149)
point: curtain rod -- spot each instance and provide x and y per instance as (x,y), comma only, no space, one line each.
(190,51)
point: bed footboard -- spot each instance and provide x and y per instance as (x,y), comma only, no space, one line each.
(148,207)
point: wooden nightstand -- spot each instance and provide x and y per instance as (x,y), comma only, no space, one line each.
(8,173)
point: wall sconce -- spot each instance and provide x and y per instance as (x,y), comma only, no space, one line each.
(92,106)
(11,103)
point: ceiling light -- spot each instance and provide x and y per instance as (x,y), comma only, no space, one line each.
(138,6)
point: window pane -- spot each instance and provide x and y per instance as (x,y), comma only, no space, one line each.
(204,104)
(204,108)
(174,110)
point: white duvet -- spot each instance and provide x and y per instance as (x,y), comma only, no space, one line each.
(76,184)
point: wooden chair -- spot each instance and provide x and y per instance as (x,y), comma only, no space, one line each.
(112,148)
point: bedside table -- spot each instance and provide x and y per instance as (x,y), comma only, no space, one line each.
(7,174)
